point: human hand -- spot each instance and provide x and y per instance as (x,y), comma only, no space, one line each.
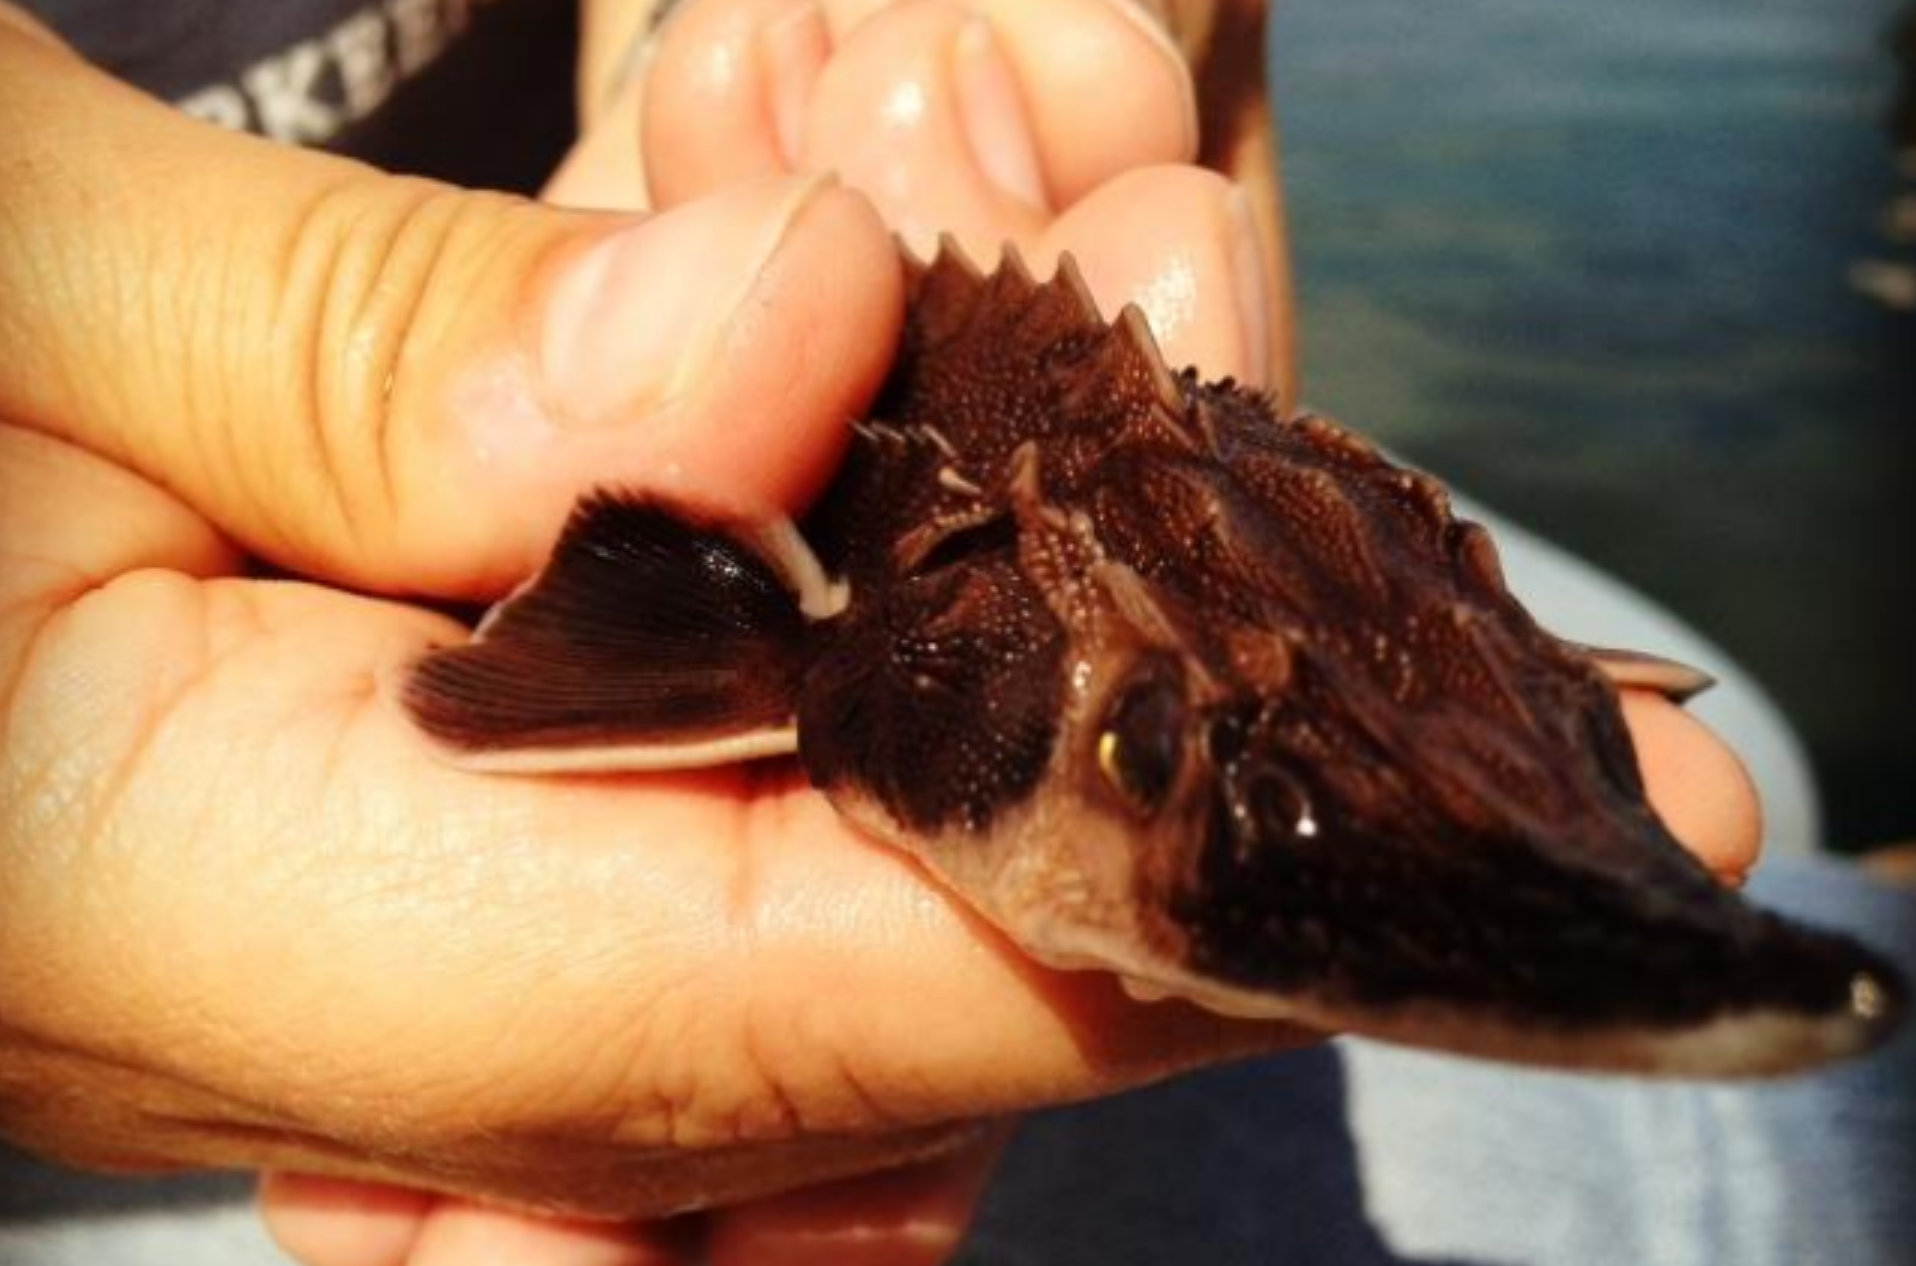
(1117,186)
(243,920)
(1064,125)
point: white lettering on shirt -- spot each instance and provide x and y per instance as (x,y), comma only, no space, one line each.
(358,45)
(305,93)
(218,103)
(418,33)
(284,89)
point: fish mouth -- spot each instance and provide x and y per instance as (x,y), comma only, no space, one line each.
(1622,955)
(1830,999)
(1758,1040)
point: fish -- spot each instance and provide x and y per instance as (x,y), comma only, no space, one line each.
(1165,682)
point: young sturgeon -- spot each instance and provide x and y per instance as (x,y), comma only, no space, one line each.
(1163,685)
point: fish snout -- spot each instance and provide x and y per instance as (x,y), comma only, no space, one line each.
(1617,955)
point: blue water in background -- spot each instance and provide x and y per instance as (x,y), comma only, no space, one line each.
(1590,263)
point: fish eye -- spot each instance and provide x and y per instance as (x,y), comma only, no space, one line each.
(1141,744)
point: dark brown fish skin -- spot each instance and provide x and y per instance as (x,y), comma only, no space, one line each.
(1166,684)
(939,689)
(1395,791)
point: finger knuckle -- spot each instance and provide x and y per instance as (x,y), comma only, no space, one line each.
(710,1070)
(376,272)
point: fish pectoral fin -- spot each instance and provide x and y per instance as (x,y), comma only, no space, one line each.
(651,640)
(1677,681)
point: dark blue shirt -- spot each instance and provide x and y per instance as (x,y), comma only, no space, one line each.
(473,91)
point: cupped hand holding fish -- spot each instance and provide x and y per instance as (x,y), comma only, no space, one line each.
(261,406)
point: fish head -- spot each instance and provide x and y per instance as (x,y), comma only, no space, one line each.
(1378,798)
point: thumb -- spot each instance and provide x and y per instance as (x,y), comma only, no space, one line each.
(398,385)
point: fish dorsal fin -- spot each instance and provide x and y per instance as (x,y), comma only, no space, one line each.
(997,359)
(651,640)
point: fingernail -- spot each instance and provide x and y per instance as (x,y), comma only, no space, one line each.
(1153,17)
(1153,22)
(792,51)
(637,319)
(992,110)
(1253,297)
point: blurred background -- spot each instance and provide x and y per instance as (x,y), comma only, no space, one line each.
(1642,275)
